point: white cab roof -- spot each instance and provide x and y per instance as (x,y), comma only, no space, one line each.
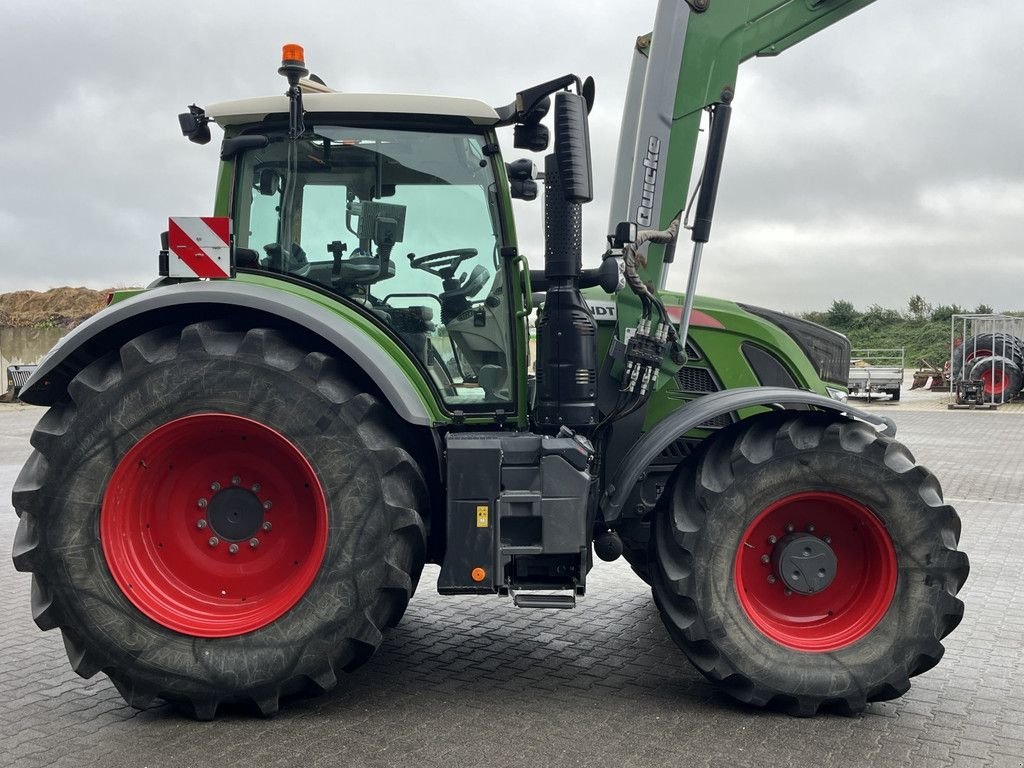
(254,110)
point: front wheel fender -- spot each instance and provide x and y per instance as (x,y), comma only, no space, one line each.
(666,432)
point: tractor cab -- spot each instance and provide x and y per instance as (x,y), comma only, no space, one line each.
(393,203)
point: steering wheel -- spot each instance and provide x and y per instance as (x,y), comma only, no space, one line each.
(443,263)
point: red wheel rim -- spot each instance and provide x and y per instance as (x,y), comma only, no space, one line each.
(857,597)
(214,525)
(993,380)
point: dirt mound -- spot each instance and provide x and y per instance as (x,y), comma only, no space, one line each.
(55,308)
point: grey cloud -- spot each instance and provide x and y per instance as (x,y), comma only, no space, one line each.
(867,163)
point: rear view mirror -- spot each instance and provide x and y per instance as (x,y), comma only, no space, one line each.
(269,182)
(195,125)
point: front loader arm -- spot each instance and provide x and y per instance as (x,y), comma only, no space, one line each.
(729,33)
(686,64)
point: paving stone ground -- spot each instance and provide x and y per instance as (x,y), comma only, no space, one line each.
(476,682)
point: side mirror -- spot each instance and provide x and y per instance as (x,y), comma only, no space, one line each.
(533,137)
(195,125)
(625,233)
(572,146)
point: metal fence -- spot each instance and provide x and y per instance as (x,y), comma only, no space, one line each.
(986,354)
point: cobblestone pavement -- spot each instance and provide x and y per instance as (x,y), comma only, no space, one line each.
(475,682)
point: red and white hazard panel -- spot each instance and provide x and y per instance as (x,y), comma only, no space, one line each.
(200,246)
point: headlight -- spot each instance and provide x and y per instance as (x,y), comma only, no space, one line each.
(837,394)
(828,351)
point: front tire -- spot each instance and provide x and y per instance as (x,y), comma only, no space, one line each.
(806,561)
(218,516)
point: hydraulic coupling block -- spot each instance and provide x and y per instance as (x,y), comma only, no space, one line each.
(644,353)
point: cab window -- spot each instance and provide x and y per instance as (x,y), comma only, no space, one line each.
(402,223)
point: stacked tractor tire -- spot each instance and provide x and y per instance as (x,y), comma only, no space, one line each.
(996,360)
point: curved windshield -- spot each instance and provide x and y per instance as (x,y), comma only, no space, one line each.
(403,223)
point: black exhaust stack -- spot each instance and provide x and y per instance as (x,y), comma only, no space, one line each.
(566,332)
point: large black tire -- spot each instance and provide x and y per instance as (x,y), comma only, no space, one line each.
(985,345)
(703,538)
(373,489)
(1001,376)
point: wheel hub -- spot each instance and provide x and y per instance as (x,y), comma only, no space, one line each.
(235,514)
(804,563)
(815,570)
(190,544)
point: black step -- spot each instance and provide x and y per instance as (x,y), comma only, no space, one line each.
(542,600)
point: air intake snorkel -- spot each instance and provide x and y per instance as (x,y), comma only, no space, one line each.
(566,332)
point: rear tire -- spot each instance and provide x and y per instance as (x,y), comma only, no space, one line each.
(1001,377)
(891,599)
(985,345)
(95,542)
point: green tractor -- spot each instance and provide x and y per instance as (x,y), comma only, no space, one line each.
(245,467)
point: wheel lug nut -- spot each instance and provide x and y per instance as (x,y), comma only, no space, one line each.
(200,524)
(772,539)
(235,480)
(255,488)
(254,542)
(828,539)
(267,526)
(765,559)
(233,549)
(790,527)
(214,541)
(201,503)
(810,528)
(771,578)
(215,487)
(787,592)
(267,504)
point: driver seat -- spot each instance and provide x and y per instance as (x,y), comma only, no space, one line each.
(455,298)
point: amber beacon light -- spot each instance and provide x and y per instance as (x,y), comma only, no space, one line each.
(292,53)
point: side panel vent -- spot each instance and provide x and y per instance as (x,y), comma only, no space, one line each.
(718,422)
(695,380)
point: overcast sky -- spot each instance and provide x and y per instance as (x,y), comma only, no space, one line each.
(877,160)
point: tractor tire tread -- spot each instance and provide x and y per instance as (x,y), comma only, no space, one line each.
(404,494)
(679,523)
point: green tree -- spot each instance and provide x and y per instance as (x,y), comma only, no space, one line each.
(919,308)
(983,309)
(841,314)
(944,312)
(878,317)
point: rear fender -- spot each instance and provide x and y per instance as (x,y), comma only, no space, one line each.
(666,432)
(369,349)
